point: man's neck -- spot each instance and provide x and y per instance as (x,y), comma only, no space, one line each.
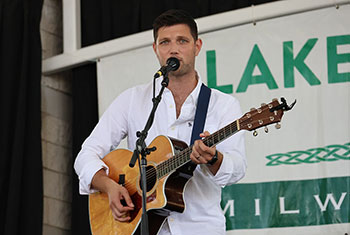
(181,88)
(183,84)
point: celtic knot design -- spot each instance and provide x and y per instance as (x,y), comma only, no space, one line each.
(329,153)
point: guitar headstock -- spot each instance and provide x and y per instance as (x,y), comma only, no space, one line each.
(265,115)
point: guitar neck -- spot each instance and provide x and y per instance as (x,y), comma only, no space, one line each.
(183,157)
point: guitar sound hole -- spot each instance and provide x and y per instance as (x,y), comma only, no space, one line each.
(151,178)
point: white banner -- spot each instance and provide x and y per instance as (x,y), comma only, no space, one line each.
(304,56)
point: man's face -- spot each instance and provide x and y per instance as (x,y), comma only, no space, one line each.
(177,41)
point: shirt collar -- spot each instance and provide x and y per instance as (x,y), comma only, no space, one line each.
(193,95)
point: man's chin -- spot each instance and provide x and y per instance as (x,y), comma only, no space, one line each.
(180,72)
(177,73)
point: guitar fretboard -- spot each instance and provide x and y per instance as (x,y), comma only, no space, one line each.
(183,157)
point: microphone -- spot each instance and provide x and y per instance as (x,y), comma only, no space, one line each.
(172,64)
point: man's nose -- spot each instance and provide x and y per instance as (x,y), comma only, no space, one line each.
(174,48)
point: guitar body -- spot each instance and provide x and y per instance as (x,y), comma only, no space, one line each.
(163,195)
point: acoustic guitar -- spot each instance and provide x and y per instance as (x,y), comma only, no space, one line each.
(166,174)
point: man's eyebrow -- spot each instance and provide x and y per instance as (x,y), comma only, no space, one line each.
(187,38)
(163,38)
(182,36)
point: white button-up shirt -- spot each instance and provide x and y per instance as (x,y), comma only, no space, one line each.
(128,114)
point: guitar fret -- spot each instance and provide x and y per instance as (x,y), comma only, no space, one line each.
(210,141)
(215,138)
(227,132)
(222,135)
(173,163)
(178,162)
(183,157)
(158,170)
(164,168)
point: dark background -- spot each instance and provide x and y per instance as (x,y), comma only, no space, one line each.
(21,182)
(21,186)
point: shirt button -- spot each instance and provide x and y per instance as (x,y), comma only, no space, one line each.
(171,106)
(171,219)
(172,128)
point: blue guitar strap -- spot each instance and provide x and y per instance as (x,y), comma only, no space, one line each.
(201,112)
(198,125)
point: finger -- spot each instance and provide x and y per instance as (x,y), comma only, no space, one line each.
(204,134)
(118,207)
(123,219)
(126,197)
(201,153)
(195,155)
(124,209)
(120,215)
(202,149)
(206,153)
(202,160)
(199,159)
(205,150)
(169,155)
(115,212)
(195,158)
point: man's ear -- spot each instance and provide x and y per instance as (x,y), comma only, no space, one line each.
(154,47)
(199,44)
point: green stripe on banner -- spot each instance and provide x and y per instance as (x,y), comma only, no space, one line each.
(287,203)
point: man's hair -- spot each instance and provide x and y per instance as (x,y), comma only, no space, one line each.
(174,17)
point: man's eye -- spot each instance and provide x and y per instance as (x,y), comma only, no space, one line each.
(183,41)
(163,42)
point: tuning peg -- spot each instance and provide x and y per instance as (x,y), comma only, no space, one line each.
(278,126)
(255,133)
(252,109)
(274,99)
(266,129)
(263,104)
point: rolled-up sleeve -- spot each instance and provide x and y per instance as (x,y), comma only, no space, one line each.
(86,166)
(107,134)
(232,169)
(234,164)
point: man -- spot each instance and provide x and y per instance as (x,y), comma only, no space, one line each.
(175,35)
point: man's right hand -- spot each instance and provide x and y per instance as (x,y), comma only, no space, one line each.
(116,193)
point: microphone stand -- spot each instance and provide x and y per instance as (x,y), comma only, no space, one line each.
(142,150)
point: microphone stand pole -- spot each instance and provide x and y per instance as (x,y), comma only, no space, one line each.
(142,150)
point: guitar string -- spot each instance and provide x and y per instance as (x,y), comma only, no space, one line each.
(215,137)
(164,166)
(153,171)
(226,131)
(181,158)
